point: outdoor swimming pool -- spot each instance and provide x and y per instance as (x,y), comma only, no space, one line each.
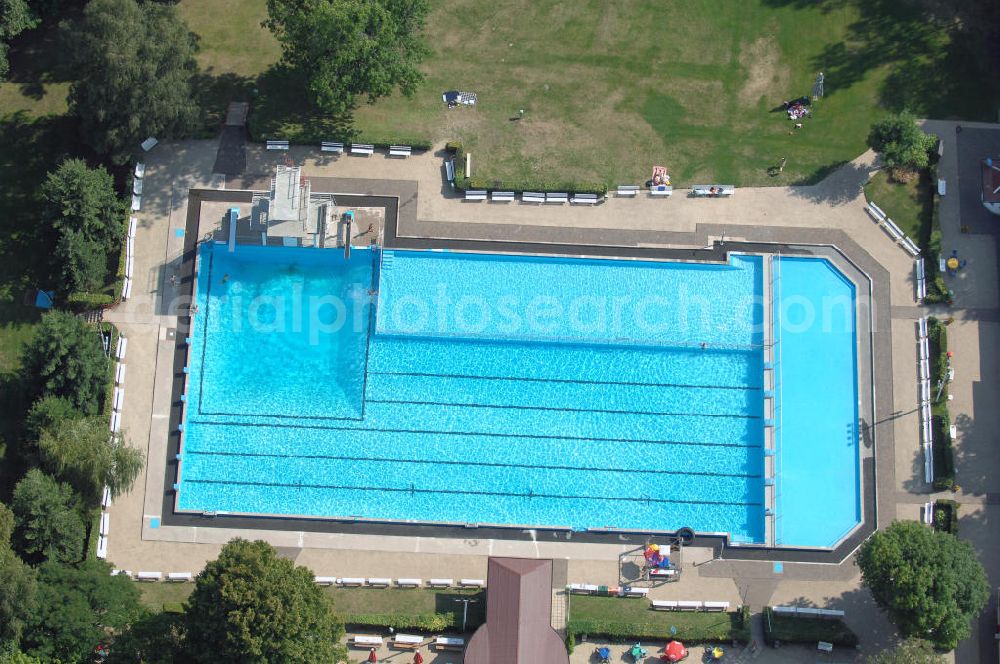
(460,388)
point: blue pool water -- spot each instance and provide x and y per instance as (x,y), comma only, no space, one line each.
(480,389)
(818,476)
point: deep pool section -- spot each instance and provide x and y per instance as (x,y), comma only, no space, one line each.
(818,475)
(650,418)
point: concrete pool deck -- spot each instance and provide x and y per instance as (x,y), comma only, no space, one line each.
(780,214)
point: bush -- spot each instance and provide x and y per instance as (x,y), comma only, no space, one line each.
(453,147)
(793,629)
(570,642)
(421,622)
(944,453)
(742,625)
(90,300)
(946,516)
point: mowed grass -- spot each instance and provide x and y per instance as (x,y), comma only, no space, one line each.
(906,203)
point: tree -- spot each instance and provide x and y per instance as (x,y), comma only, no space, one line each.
(76,607)
(910,651)
(155,638)
(134,64)
(65,359)
(17,586)
(930,583)
(49,525)
(15,17)
(351,48)
(249,605)
(902,144)
(46,412)
(83,453)
(86,222)
(18,658)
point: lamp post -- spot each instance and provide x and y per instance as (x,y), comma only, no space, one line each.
(465,609)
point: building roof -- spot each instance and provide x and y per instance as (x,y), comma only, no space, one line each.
(518,627)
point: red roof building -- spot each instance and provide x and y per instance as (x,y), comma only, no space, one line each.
(518,627)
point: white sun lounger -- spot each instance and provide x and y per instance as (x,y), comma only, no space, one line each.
(102,547)
(449,643)
(364,641)
(140,170)
(407,641)
(472,583)
(409,583)
(105,524)
(179,577)
(441,583)
(325,580)
(149,576)
(351,581)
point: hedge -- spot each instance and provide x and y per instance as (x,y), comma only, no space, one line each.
(421,622)
(795,629)
(90,300)
(944,455)
(946,516)
(306,137)
(687,630)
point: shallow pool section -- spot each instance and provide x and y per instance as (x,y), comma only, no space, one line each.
(481,389)
(818,473)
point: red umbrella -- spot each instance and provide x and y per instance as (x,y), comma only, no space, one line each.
(372,657)
(674,652)
(418,658)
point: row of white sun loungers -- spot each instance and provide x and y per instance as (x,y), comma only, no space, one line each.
(129,257)
(175,577)
(377,582)
(408,641)
(532,197)
(891,229)
(683,605)
(365,149)
(590,589)
(807,612)
(924,385)
(140,173)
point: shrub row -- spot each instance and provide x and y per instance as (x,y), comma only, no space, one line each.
(944,455)
(687,631)
(420,622)
(307,137)
(946,516)
(794,629)
(85,300)
(930,246)
(464,183)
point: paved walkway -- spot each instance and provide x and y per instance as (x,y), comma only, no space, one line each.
(837,202)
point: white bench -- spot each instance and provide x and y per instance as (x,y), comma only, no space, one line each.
(472,583)
(659,571)
(502,197)
(105,526)
(325,580)
(118,398)
(120,374)
(137,186)
(180,577)
(584,199)
(148,144)
(823,646)
(407,641)
(378,582)
(628,190)
(136,203)
(116,421)
(475,195)
(664,605)
(557,198)
(400,150)
(582,588)
(351,581)
(408,583)
(102,547)
(149,576)
(106,498)
(911,248)
(440,583)
(532,197)
(330,146)
(362,148)
(449,643)
(874,213)
(701,190)
(716,606)
(661,190)
(132,222)
(688,605)
(140,169)
(878,211)
(363,641)
(922,327)
(635,592)
(122,347)
(942,187)
(277,145)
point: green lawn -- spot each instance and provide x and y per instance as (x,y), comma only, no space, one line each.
(629,619)
(908,204)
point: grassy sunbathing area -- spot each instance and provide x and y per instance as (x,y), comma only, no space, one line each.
(608,89)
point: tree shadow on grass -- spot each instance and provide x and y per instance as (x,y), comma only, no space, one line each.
(213,93)
(281,109)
